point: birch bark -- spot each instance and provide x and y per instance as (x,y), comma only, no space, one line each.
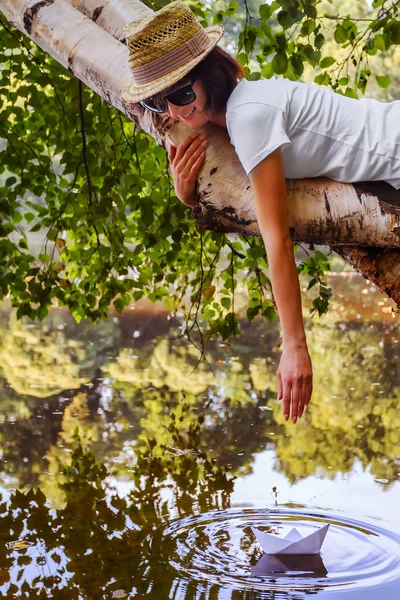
(320,211)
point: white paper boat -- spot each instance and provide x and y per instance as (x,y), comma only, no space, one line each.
(293,542)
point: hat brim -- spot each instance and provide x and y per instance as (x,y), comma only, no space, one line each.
(134,92)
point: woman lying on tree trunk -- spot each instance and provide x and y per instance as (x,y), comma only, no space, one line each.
(279,128)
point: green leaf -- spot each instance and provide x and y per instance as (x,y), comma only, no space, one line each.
(395,32)
(253,311)
(310,10)
(350,93)
(242,58)
(383,81)
(319,40)
(307,28)
(17,218)
(42,312)
(52,234)
(28,216)
(281,42)
(23,244)
(267,71)
(218,18)
(312,56)
(351,28)
(255,76)
(326,62)
(322,79)
(280,63)
(265,11)
(380,42)
(297,64)
(287,18)
(226,302)
(340,35)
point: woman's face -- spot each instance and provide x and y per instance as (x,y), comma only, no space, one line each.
(193,114)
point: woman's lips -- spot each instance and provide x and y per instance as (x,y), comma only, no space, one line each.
(189,117)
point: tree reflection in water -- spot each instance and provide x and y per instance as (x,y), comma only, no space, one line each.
(178,451)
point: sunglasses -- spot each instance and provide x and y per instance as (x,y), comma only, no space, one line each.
(180,97)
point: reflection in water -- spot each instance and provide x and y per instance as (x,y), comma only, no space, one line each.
(99,544)
(218,548)
(173,443)
(304,567)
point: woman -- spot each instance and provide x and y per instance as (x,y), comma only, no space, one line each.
(280,129)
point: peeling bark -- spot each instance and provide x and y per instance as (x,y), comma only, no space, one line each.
(31,12)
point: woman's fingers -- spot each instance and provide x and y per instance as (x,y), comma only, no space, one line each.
(280,386)
(296,404)
(185,161)
(192,159)
(183,146)
(305,395)
(301,404)
(296,396)
(188,146)
(197,164)
(309,389)
(286,396)
(295,381)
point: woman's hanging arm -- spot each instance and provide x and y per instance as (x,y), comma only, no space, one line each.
(295,371)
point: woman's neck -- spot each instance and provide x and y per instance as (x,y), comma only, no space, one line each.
(220,120)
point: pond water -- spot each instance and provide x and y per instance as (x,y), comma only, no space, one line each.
(125,473)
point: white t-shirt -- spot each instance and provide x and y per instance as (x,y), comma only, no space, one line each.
(319,132)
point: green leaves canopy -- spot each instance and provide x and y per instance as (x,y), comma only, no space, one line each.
(88,213)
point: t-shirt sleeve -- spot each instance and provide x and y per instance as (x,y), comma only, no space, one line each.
(256,130)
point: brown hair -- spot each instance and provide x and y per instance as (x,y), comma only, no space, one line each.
(219,73)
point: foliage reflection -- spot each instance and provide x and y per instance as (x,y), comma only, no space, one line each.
(171,441)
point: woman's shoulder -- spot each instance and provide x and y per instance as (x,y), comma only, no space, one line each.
(272,92)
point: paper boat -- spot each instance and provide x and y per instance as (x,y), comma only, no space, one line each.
(293,542)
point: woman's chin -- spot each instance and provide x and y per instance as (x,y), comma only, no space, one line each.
(200,121)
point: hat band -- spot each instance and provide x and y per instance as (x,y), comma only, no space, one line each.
(172,60)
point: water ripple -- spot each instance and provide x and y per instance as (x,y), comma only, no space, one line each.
(217,550)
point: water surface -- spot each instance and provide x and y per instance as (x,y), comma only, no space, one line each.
(125,473)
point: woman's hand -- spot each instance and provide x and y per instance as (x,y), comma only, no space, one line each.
(295,380)
(185,161)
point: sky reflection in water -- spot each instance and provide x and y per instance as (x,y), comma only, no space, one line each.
(150,475)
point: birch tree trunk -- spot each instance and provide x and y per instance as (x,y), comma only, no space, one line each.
(112,15)
(83,35)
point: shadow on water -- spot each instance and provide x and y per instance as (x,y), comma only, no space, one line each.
(119,464)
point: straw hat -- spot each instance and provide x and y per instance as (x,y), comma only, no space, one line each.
(164,47)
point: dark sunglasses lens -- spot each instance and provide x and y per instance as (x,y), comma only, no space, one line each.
(182,97)
(155,104)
